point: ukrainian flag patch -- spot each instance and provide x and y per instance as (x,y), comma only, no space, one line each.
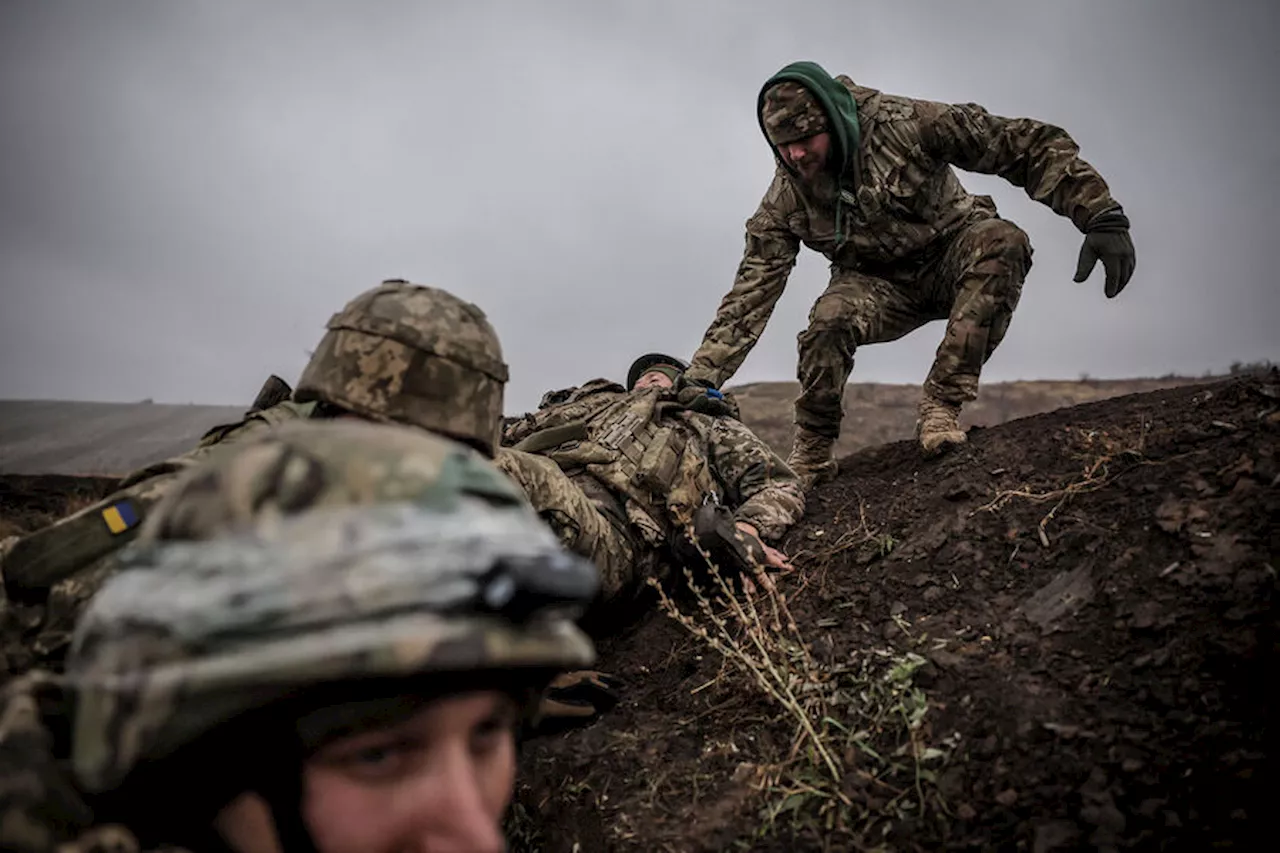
(120,516)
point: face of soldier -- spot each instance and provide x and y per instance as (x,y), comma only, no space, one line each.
(654,379)
(807,156)
(439,780)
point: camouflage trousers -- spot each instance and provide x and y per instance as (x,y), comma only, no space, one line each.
(974,285)
(577,520)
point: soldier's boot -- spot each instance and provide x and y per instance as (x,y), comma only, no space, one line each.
(811,458)
(939,426)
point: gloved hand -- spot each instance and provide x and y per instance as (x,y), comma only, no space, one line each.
(703,399)
(1107,239)
(575,699)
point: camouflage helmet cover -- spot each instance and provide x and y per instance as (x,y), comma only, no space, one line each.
(412,354)
(334,552)
(790,112)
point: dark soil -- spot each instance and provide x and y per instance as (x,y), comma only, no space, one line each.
(1092,590)
(29,502)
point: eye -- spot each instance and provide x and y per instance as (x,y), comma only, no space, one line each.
(494,730)
(373,758)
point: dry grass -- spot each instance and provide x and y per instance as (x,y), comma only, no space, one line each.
(858,725)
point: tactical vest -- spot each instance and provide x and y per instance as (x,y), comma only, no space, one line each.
(638,445)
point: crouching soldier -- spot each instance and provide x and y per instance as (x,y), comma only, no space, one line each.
(324,640)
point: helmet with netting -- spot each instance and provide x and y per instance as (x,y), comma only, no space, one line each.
(412,354)
(327,553)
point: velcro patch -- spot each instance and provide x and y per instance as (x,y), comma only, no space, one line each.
(120,516)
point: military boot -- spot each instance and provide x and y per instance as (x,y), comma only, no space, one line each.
(811,458)
(939,426)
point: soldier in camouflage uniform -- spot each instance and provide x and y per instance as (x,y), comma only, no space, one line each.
(620,474)
(866,179)
(398,352)
(325,638)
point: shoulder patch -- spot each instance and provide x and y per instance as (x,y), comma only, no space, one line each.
(121,516)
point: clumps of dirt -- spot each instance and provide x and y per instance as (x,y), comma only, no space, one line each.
(30,502)
(1060,635)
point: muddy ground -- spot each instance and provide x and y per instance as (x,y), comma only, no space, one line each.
(1061,636)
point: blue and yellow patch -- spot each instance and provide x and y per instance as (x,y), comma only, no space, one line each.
(120,516)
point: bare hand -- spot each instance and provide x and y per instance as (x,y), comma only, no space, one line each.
(772,556)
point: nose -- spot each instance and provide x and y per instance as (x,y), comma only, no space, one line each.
(453,817)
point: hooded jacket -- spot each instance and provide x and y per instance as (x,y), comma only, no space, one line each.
(900,203)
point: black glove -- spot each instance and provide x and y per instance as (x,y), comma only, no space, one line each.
(1107,238)
(703,399)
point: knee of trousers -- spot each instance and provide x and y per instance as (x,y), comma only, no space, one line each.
(1002,250)
(837,332)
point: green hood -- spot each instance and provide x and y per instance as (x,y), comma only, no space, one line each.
(842,115)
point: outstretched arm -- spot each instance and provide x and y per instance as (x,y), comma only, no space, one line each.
(767,260)
(1045,161)
(1041,158)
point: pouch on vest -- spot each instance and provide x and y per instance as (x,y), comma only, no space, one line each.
(660,461)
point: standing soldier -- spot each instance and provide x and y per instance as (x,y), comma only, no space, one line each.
(325,639)
(866,179)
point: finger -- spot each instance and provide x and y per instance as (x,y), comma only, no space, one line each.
(1084,266)
(1112,265)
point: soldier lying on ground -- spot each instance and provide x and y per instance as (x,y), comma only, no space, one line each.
(325,639)
(866,179)
(398,352)
(623,473)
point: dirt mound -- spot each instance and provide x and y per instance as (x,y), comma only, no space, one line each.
(1060,636)
(877,413)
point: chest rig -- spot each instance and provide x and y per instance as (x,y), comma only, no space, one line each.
(640,447)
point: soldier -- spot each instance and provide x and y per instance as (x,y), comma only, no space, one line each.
(325,639)
(622,475)
(866,179)
(398,352)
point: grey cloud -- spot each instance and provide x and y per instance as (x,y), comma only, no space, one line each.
(187,191)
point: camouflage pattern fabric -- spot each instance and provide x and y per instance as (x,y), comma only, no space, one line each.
(398,352)
(322,552)
(791,112)
(583,525)
(644,467)
(415,355)
(975,286)
(80,547)
(907,209)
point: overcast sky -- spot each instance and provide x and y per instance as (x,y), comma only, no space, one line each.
(189,189)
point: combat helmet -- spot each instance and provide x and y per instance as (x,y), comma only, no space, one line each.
(646,362)
(412,354)
(374,558)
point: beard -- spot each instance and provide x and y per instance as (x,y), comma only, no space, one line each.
(822,187)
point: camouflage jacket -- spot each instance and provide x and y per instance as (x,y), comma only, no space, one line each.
(660,460)
(904,210)
(41,809)
(77,549)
